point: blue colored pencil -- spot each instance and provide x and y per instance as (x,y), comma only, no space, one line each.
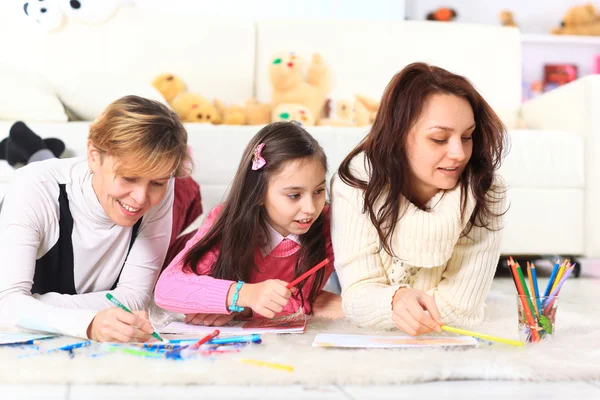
(255,338)
(535,287)
(552,277)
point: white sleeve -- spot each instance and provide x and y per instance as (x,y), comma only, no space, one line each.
(24,221)
(29,216)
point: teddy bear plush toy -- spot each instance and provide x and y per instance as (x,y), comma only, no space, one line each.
(292,88)
(507,18)
(190,107)
(580,20)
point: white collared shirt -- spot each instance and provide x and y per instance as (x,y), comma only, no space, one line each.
(275,238)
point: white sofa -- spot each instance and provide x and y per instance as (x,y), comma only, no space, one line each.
(552,192)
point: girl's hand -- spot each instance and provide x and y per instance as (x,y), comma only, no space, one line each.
(409,308)
(209,319)
(117,325)
(265,298)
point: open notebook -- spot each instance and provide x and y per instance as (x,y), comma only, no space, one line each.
(292,323)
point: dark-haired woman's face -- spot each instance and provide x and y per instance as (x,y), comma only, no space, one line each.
(440,145)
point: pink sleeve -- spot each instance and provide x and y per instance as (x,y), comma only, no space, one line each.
(296,301)
(184,291)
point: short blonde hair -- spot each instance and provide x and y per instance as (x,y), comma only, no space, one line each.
(146,133)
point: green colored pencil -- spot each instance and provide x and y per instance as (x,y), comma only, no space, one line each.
(117,303)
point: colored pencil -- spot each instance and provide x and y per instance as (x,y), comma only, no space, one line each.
(552,297)
(117,303)
(482,336)
(258,363)
(524,301)
(552,277)
(308,273)
(536,290)
(532,289)
(561,272)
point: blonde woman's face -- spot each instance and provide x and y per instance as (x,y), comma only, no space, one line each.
(440,145)
(125,199)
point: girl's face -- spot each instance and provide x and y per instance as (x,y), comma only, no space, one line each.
(124,198)
(440,145)
(296,196)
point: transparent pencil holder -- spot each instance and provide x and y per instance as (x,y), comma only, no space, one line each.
(537,316)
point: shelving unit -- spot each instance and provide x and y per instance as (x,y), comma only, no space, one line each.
(540,49)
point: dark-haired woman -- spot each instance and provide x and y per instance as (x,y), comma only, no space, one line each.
(417,206)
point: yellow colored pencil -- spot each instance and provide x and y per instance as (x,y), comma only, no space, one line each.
(560,274)
(483,336)
(258,363)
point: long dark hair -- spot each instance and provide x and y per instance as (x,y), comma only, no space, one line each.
(241,223)
(385,149)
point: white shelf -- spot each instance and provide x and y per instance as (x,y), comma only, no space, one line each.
(560,39)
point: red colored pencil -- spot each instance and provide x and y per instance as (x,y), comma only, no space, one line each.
(307,273)
(205,339)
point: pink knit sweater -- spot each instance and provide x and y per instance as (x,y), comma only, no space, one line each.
(185,292)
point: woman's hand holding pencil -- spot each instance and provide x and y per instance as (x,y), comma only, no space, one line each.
(415,312)
(117,325)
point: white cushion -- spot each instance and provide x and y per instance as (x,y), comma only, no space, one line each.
(87,96)
(25,96)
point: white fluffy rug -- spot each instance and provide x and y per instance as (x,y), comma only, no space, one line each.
(574,354)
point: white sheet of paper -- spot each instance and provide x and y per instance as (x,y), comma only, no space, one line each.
(16,337)
(381,342)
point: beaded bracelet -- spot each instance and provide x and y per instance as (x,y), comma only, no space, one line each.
(234,307)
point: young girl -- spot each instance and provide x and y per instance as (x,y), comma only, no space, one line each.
(417,206)
(273,226)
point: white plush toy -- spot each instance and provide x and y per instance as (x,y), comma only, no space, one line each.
(50,14)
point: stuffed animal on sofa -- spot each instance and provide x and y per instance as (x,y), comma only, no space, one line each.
(293,112)
(191,107)
(290,86)
(580,20)
(361,112)
(230,115)
(257,113)
(51,14)
(442,14)
(169,86)
(507,18)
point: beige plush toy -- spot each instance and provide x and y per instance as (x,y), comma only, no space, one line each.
(507,18)
(191,107)
(292,112)
(257,113)
(361,112)
(580,20)
(232,115)
(290,86)
(169,86)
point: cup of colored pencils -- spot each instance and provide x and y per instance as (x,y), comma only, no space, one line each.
(537,310)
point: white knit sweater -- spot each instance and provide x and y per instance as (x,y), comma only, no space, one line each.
(430,255)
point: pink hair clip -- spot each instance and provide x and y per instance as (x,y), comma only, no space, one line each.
(257,161)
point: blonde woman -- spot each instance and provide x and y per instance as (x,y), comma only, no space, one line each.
(73,230)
